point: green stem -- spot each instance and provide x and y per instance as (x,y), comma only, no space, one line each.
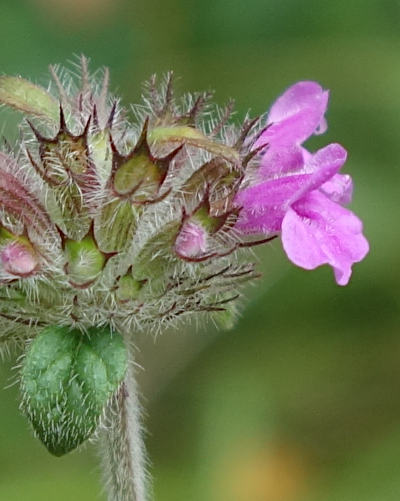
(122,446)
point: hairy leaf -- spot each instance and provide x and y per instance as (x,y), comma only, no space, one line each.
(67,379)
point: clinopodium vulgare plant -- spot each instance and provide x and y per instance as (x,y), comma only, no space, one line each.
(116,221)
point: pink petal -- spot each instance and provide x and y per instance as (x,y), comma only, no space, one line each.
(301,95)
(322,127)
(273,193)
(296,115)
(264,205)
(339,188)
(322,165)
(293,130)
(307,155)
(317,231)
(280,161)
(285,190)
(267,222)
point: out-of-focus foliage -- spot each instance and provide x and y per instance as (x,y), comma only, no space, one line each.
(301,400)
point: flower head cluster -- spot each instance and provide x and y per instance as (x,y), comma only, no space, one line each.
(104,221)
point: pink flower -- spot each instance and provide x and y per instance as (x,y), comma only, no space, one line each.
(300,194)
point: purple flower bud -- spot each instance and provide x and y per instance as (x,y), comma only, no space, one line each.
(191,240)
(19,259)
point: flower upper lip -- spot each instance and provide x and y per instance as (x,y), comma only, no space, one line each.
(296,115)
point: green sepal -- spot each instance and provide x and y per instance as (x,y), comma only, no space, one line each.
(136,170)
(128,288)
(115,225)
(210,223)
(6,237)
(155,260)
(67,152)
(100,152)
(68,210)
(24,96)
(67,380)
(226,319)
(84,260)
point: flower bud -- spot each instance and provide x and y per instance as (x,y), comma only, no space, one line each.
(18,258)
(17,255)
(196,239)
(191,240)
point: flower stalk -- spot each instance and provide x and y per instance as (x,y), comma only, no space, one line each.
(122,448)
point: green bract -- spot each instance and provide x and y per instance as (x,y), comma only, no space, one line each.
(67,379)
(27,97)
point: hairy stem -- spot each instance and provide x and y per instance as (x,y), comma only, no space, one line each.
(122,446)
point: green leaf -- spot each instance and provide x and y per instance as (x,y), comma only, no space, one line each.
(28,98)
(67,379)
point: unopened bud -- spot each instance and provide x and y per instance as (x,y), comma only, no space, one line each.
(18,258)
(191,240)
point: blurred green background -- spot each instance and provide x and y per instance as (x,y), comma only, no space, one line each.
(301,401)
